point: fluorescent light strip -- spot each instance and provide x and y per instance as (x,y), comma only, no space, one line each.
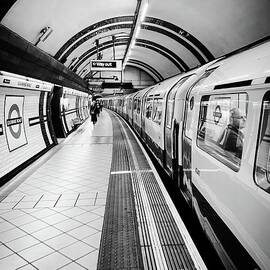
(136,31)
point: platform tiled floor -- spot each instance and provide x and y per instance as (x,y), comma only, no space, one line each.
(52,214)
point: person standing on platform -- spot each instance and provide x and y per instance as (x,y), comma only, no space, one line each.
(101,105)
(98,108)
(93,111)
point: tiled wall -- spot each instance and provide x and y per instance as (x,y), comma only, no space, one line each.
(21,140)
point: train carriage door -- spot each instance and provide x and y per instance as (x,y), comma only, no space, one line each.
(143,116)
(189,127)
(171,131)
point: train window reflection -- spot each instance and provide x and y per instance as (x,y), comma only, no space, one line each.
(221,127)
(169,113)
(262,166)
(157,110)
(139,106)
(148,107)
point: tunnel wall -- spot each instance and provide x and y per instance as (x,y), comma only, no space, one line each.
(25,127)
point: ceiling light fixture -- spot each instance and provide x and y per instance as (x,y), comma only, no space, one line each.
(140,19)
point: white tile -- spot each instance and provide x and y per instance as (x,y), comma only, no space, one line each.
(46,233)
(43,204)
(82,232)
(100,201)
(43,213)
(34,226)
(73,212)
(12,262)
(56,218)
(24,219)
(93,240)
(85,202)
(67,225)
(6,226)
(22,243)
(12,198)
(7,206)
(11,235)
(90,260)
(76,250)
(87,217)
(52,261)
(65,203)
(4,251)
(35,252)
(60,241)
(50,197)
(99,211)
(27,267)
(75,266)
(97,224)
(22,205)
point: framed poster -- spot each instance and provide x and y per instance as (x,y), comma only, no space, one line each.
(14,122)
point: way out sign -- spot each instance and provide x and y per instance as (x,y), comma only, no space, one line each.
(14,124)
(106,65)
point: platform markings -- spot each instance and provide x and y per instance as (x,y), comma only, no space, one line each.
(157,248)
(130,172)
(197,259)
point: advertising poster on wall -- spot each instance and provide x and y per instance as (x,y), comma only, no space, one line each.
(14,123)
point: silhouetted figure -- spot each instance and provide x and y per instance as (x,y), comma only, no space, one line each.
(232,137)
(94,111)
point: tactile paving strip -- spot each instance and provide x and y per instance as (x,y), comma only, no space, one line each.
(173,246)
(120,247)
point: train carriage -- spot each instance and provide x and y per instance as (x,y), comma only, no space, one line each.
(138,112)
(154,116)
(229,179)
(209,128)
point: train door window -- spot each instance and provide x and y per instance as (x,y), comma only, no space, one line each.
(170,103)
(221,127)
(189,117)
(169,113)
(148,107)
(262,165)
(157,110)
(135,105)
(139,106)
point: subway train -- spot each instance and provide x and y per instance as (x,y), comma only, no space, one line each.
(34,114)
(209,129)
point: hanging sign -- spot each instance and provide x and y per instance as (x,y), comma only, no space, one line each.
(105,65)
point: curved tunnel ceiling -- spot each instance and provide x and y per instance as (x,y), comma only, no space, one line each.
(175,36)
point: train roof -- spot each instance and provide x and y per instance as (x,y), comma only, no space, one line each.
(160,89)
(240,69)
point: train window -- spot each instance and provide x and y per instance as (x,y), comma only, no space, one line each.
(169,113)
(221,127)
(139,106)
(189,118)
(170,104)
(157,110)
(262,165)
(135,105)
(148,107)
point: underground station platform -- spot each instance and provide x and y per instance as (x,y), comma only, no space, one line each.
(94,201)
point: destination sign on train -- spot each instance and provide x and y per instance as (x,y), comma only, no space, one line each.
(97,65)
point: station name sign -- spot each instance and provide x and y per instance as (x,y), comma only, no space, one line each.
(103,65)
